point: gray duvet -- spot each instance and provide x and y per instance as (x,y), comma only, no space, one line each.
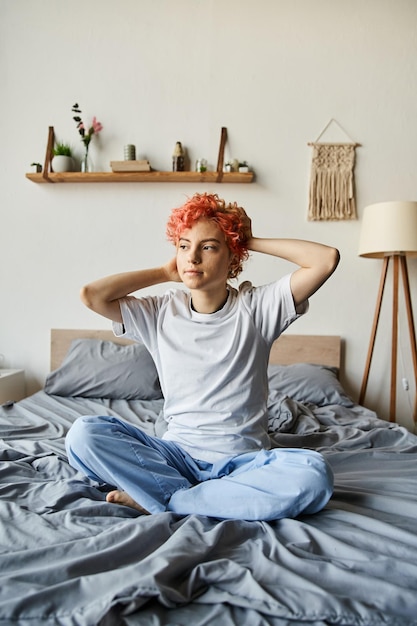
(67,557)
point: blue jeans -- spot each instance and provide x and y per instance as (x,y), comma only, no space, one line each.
(160,476)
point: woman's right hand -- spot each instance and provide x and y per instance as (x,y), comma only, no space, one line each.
(171,271)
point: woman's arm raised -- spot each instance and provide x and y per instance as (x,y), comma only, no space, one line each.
(102,296)
(316,262)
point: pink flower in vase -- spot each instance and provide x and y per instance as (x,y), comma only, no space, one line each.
(97,127)
(86,136)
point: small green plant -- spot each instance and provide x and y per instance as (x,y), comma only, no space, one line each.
(62,149)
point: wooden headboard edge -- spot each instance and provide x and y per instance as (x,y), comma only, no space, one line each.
(288,349)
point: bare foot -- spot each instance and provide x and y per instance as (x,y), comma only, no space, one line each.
(121,497)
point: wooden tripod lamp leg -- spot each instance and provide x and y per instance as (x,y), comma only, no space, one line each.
(394,341)
(374,329)
(411,327)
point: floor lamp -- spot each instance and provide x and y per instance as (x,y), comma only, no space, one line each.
(389,232)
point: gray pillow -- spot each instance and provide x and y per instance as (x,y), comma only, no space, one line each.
(309,383)
(94,368)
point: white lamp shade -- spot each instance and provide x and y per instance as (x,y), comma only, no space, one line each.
(389,228)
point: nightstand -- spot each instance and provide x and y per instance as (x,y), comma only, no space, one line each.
(12,385)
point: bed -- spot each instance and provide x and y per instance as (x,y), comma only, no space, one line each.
(67,557)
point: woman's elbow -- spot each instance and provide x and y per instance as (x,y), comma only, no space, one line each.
(86,296)
(333,260)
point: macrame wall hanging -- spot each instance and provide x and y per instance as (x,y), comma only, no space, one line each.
(332,189)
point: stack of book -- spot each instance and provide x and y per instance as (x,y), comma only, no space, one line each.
(130,166)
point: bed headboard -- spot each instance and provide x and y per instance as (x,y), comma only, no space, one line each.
(288,349)
(321,349)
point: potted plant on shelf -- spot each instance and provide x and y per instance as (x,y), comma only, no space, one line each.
(62,160)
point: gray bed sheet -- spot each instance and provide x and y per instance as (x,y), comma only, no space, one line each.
(67,557)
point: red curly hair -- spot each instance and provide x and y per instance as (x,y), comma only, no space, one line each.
(230,218)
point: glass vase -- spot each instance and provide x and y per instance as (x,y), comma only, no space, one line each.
(86,164)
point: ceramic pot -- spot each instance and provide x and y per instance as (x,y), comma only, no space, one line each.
(62,163)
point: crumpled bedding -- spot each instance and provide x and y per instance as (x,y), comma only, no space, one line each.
(67,557)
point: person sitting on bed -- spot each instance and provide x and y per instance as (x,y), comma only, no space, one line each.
(211,345)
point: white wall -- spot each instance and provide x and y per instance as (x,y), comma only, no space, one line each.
(274,72)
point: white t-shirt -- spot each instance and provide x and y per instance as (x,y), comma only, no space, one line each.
(213,367)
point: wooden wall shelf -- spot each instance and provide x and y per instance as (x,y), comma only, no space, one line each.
(47,176)
(142,177)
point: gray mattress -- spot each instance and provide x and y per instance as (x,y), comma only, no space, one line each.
(68,557)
